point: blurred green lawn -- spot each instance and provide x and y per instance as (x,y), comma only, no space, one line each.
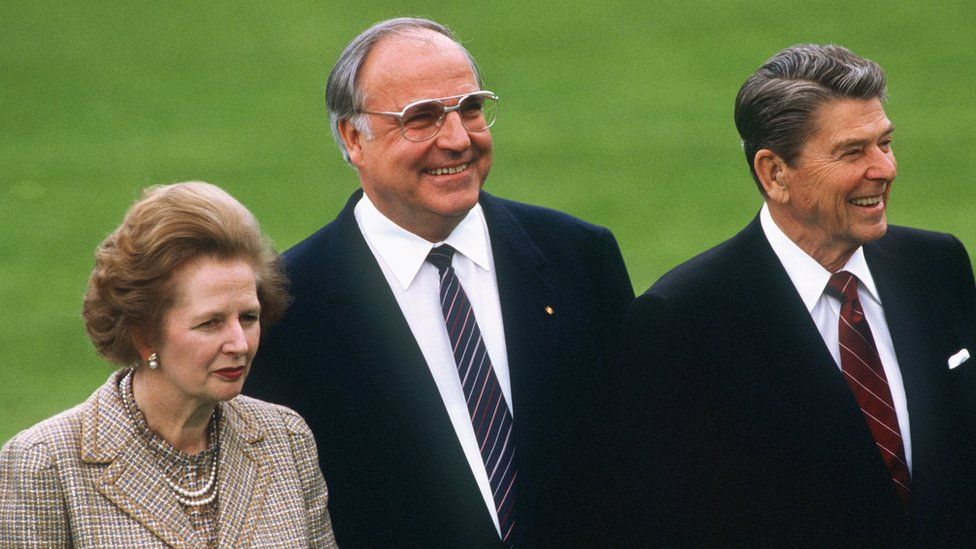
(619,113)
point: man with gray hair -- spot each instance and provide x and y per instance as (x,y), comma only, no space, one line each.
(446,347)
(806,382)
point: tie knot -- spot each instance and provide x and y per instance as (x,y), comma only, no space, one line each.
(441,257)
(843,286)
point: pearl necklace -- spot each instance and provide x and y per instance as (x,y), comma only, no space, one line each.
(189,498)
(196,498)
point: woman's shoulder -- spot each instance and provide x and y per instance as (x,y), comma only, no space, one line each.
(258,414)
(37,447)
(64,436)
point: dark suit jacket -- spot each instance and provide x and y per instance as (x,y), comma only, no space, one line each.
(345,359)
(746,430)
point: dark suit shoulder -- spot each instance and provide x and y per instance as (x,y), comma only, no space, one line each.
(565,241)
(561,236)
(927,259)
(923,236)
(917,244)
(311,254)
(701,296)
(318,267)
(582,258)
(540,218)
(713,274)
(704,268)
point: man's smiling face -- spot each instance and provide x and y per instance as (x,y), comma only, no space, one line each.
(424,187)
(837,188)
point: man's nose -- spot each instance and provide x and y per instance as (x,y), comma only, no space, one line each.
(452,135)
(883,165)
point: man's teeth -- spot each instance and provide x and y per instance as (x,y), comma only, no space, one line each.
(442,171)
(871,201)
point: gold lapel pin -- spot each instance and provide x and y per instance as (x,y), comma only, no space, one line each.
(549,310)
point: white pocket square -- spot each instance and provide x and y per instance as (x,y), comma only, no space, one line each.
(958,358)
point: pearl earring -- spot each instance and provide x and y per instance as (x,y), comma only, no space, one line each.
(153,361)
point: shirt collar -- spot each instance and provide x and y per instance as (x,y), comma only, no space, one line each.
(808,276)
(404,252)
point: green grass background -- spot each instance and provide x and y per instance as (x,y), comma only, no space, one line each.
(620,113)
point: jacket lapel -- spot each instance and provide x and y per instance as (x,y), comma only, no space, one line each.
(364,312)
(530,314)
(786,333)
(910,321)
(380,339)
(920,342)
(369,319)
(241,495)
(795,369)
(378,336)
(524,291)
(804,408)
(361,308)
(132,481)
(525,294)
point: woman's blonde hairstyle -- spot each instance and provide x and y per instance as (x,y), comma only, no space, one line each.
(129,289)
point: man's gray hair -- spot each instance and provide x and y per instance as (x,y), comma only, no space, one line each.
(775,106)
(344,98)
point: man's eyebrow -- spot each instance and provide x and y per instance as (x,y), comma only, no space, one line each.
(860,141)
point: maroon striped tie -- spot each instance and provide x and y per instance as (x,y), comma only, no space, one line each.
(864,374)
(486,404)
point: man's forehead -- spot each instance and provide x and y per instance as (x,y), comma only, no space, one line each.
(419,38)
(852,119)
(418,65)
(405,55)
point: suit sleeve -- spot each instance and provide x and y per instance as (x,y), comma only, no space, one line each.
(619,291)
(32,506)
(965,376)
(614,291)
(662,405)
(314,490)
(967,297)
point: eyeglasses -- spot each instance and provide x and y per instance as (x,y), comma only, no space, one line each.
(421,120)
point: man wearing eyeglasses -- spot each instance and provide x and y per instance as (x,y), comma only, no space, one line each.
(447,347)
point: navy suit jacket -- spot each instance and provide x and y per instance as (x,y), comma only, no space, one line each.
(747,431)
(345,359)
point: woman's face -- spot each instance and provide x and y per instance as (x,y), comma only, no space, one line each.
(210,335)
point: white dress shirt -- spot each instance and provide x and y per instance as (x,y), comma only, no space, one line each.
(810,280)
(416,285)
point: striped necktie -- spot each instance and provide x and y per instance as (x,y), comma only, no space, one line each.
(865,375)
(486,404)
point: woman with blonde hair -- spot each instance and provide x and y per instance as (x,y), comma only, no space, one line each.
(167,452)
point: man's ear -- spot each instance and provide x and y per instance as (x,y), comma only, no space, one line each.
(771,170)
(353,138)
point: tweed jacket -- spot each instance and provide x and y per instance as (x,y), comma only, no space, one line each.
(83,479)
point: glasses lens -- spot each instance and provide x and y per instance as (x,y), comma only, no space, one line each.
(478,111)
(420,121)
